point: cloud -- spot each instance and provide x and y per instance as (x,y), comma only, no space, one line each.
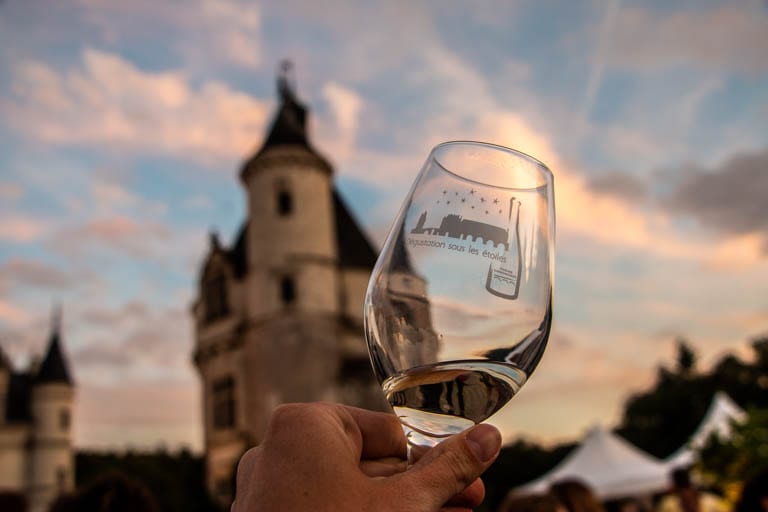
(119,233)
(10,192)
(110,196)
(206,33)
(14,228)
(26,273)
(109,102)
(13,315)
(730,198)
(621,184)
(345,106)
(731,36)
(133,340)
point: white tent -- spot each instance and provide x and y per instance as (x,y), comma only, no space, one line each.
(611,466)
(719,419)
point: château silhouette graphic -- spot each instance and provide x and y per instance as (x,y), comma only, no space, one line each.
(455,226)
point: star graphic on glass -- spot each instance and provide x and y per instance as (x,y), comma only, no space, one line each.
(482,199)
(472,192)
(495,201)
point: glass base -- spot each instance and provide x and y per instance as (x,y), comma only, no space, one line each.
(419,443)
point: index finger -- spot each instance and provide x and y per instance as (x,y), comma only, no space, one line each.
(382,434)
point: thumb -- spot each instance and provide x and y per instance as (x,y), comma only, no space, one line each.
(451,466)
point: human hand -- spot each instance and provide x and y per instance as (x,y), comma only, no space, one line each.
(326,457)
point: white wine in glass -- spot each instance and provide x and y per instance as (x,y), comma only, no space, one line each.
(459,305)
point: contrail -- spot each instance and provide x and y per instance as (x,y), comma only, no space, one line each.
(596,74)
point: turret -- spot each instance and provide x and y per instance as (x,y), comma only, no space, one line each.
(5,380)
(292,249)
(52,466)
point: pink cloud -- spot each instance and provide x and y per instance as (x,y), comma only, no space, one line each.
(727,37)
(32,273)
(119,233)
(13,315)
(15,228)
(109,101)
(10,192)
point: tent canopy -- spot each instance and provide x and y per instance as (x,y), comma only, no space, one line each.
(611,466)
(719,419)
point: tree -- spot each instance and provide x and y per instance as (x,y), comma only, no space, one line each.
(743,455)
(686,358)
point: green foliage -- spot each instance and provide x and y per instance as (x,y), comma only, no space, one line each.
(742,456)
(175,480)
(661,419)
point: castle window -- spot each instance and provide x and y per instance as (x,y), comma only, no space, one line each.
(64,419)
(61,478)
(224,403)
(287,290)
(216,303)
(284,202)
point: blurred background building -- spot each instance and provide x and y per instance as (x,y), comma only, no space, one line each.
(278,314)
(36,455)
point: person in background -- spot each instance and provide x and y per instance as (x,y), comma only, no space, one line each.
(754,494)
(327,457)
(113,492)
(531,503)
(686,497)
(576,496)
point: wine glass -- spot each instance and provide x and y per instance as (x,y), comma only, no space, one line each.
(459,305)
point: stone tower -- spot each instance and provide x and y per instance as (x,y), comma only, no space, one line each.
(52,464)
(36,457)
(278,316)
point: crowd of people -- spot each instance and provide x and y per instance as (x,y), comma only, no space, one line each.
(684,495)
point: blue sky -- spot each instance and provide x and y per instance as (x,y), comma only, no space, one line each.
(123,125)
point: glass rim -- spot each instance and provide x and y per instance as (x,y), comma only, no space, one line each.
(546,171)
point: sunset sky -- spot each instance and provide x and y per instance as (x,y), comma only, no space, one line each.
(123,126)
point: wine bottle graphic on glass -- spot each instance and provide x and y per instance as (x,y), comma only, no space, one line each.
(459,304)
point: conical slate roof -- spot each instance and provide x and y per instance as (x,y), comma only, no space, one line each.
(287,131)
(54,368)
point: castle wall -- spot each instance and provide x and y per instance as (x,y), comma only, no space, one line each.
(52,464)
(13,457)
(293,358)
(355,283)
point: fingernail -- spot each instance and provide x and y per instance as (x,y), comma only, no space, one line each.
(484,441)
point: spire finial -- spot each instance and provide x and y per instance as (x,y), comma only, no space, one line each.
(56,318)
(285,80)
(213,236)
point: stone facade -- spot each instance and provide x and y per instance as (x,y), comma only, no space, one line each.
(36,454)
(278,315)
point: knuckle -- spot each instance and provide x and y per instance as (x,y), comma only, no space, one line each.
(460,470)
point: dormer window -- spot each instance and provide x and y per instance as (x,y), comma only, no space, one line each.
(284,202)
(216,302)
(224,403)
(287,290)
